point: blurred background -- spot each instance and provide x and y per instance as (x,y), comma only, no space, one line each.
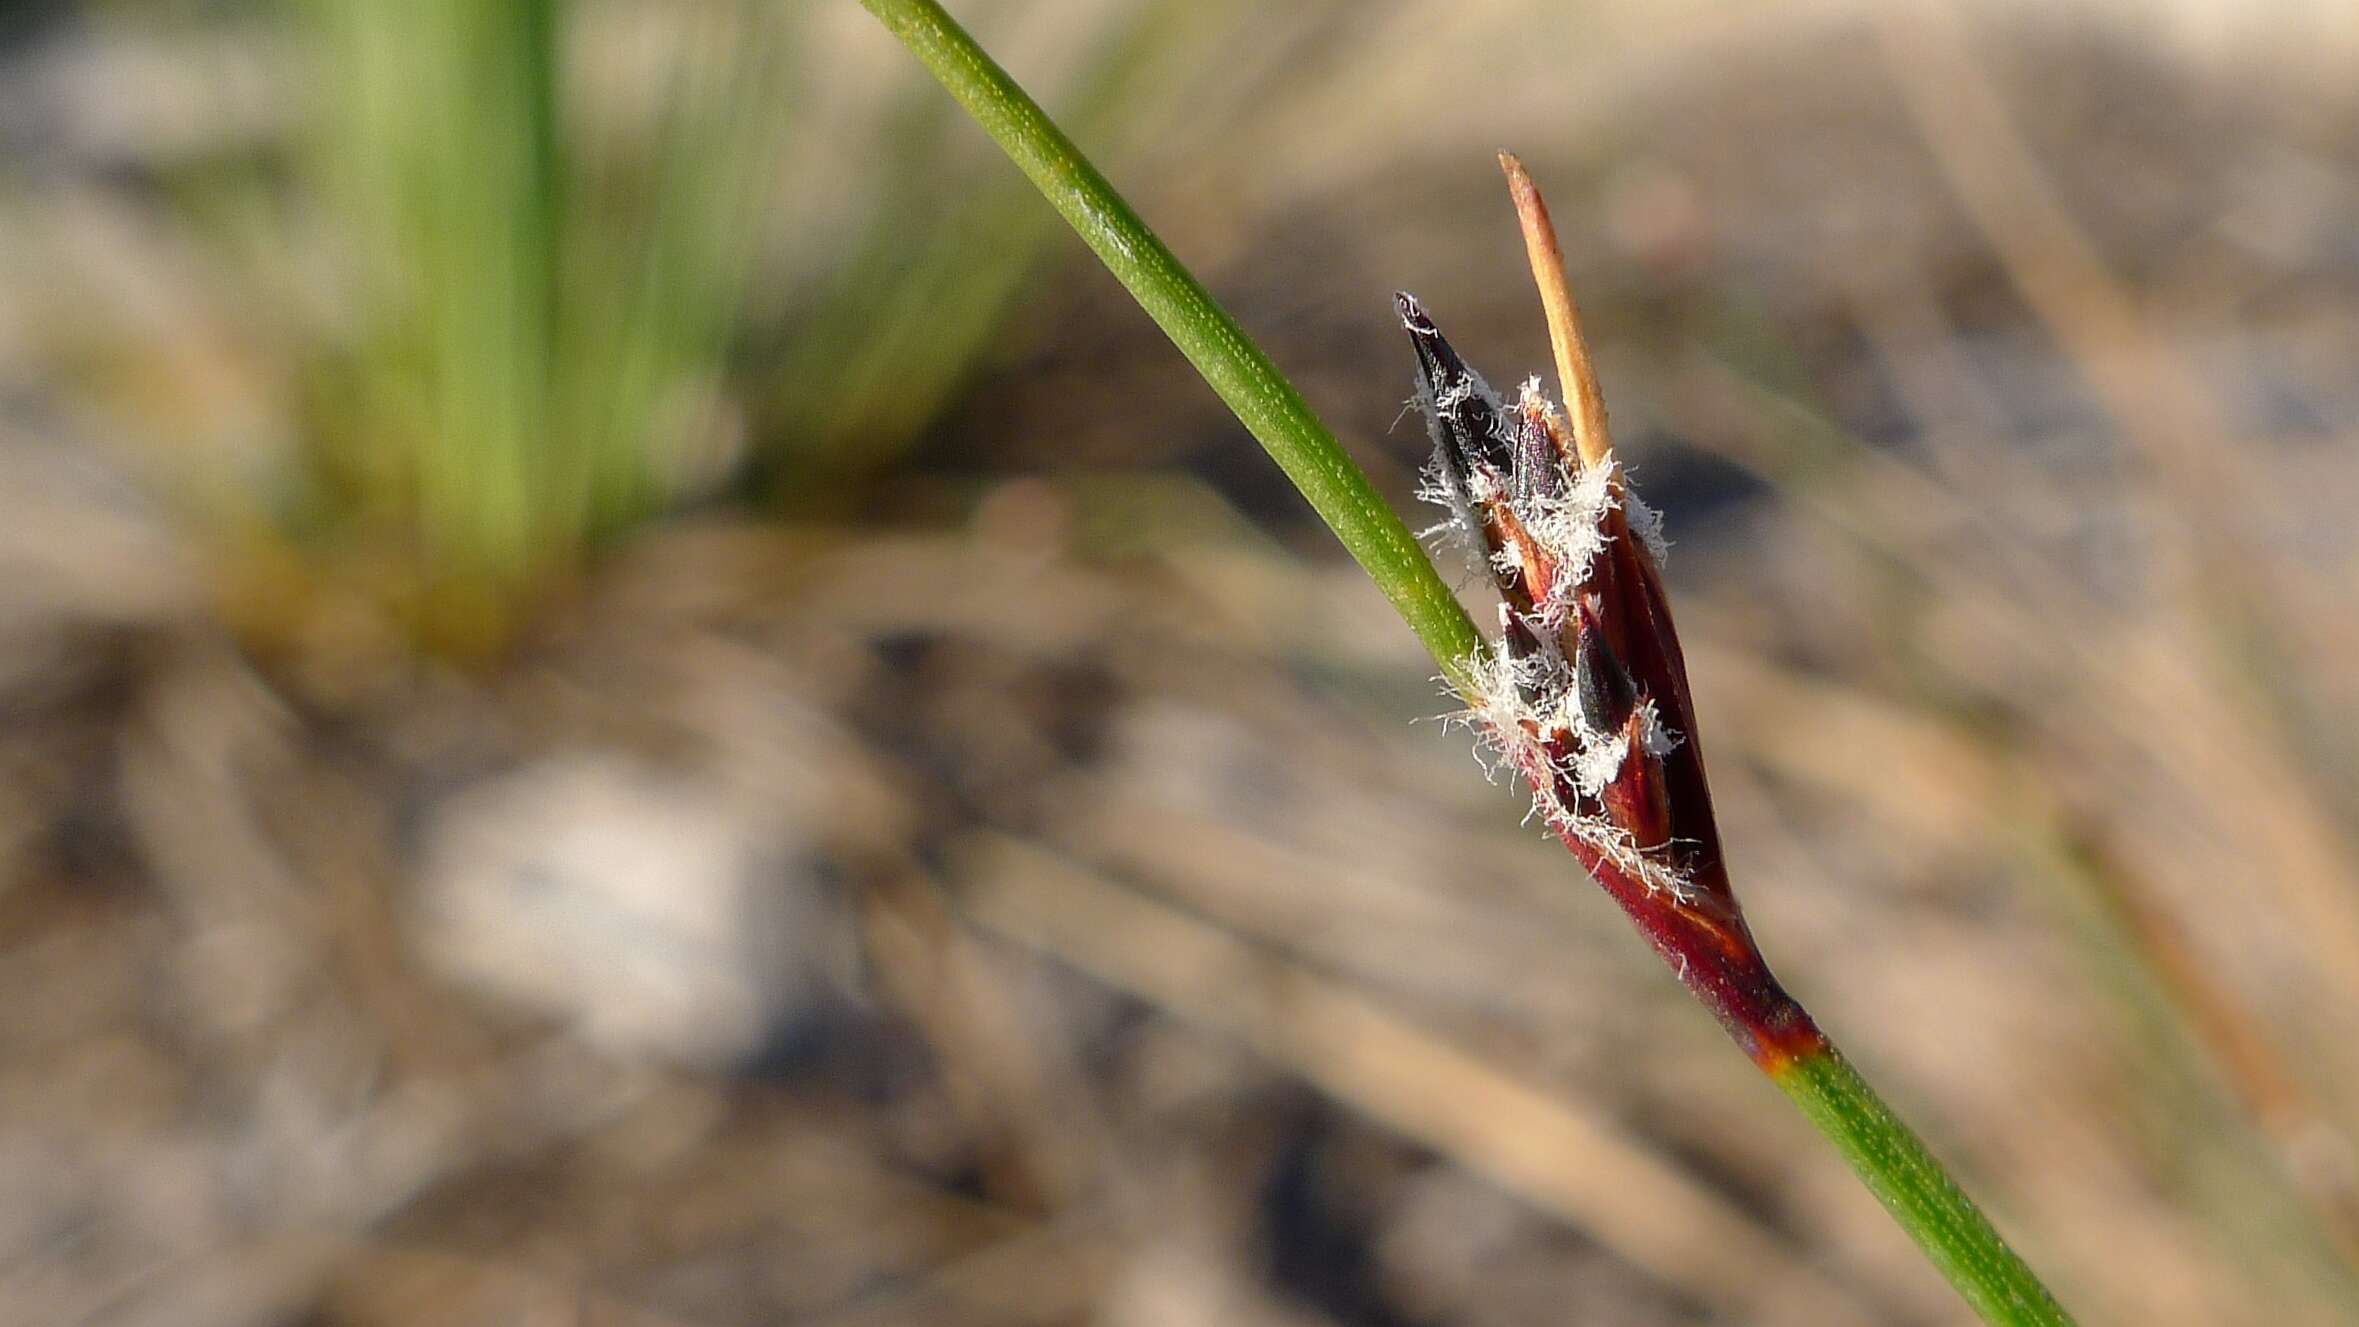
(631,694)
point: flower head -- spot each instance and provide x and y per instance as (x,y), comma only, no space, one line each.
(1585,693)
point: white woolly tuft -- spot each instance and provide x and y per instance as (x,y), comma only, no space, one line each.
(1646,523)
(1612,843)
(1654,735)
(1497,714)
(1456,531)
(1471,385)
(1598,763)
(1572,528)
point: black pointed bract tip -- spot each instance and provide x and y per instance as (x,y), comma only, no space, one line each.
(1438,365)
(1466,419)
(1602,687)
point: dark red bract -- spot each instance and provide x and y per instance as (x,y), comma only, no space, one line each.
(1586,694)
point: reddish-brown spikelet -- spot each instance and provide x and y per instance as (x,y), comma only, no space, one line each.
(1586,694)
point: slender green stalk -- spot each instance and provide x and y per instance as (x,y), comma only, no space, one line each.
(1892,1161)
(1268,405)
(1889,1159)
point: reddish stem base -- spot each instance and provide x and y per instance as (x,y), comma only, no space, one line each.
(1707,945)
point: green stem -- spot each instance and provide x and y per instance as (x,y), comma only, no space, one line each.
(1892,1161)
(1889,1159)
(1246,380)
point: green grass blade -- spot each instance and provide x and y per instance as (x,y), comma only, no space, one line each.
(1928,1204)
(1263,400)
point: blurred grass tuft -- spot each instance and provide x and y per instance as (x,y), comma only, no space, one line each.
(587,269)
(542,307)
